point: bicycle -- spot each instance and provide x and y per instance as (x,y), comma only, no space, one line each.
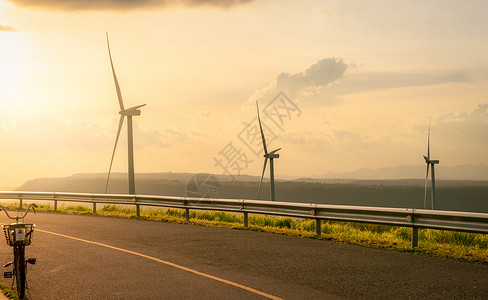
(18,236)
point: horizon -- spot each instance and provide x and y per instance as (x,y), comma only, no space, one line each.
(354,86)
(452,176)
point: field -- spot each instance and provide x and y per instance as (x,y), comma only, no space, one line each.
(469,196)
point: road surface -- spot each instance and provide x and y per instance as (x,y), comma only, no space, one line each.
(92,257)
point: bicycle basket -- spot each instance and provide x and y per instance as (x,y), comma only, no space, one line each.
(18,234)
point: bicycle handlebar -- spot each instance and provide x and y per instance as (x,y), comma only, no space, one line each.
(33,205)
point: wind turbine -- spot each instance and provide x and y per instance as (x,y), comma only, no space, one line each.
(430,162)
(271,155)
(129,112)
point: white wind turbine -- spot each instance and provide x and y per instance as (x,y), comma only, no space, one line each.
(271,155)
(133,111)
(430,162)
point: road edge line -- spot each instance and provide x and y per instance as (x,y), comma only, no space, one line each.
(235,284)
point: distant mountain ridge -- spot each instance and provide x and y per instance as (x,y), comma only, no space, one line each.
(164,183)
(461,172)
(460,195)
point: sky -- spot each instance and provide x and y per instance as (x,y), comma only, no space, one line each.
(341,85)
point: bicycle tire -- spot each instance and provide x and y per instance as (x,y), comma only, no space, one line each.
(19,265)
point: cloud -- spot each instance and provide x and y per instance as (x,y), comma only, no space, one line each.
(204,114)
(41,134)
(309,82)
(7,28)
(468,128)
(370,81)
(176,136)
(450,132)
(120,5)
(311,140)
(361,142)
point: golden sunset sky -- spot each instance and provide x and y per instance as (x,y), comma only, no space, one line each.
(364,78)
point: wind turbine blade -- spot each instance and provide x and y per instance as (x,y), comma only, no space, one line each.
(428,142)
(274,151)
(425,190)
(261,127)
(121,121)
(117,87)
(136,107)
(262,175)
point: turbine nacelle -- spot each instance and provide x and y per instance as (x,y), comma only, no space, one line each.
(431,161)
(272,154)
(133,111)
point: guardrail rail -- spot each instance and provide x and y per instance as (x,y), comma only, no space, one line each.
(404,217)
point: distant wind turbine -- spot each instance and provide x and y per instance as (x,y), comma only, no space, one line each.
(133,111)
(430,162)
(271,155)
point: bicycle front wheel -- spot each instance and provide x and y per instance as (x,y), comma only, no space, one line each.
(19,262)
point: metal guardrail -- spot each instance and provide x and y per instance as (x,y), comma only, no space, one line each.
(413,218)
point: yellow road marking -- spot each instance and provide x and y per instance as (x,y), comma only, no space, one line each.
(170,264)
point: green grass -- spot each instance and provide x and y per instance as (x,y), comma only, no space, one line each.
(8,292)
(440,243)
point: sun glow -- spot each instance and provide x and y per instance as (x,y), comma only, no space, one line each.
(198,67)
(14,63)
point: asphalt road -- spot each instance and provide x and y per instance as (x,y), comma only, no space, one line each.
(248,263)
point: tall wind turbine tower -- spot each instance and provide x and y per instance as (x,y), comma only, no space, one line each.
(271,155)
(129,113)
(430,162)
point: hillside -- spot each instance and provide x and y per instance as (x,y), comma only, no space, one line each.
(462,172)
(451,194)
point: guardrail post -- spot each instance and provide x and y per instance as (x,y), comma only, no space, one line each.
(94,207)
(55,202)
(415,237)
(187,215)
(138,209)
(318,227)
(20,203)
(246,220)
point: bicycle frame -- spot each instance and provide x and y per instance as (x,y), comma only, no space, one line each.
(18,238)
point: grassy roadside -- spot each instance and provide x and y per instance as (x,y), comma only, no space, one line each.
(7,292)
(446,244)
